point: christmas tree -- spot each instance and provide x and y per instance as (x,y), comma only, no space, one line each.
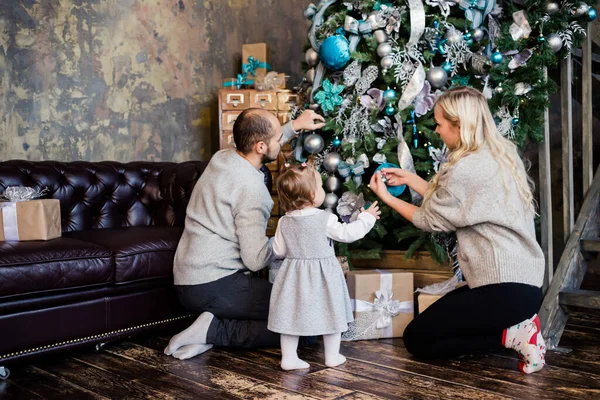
(375,68)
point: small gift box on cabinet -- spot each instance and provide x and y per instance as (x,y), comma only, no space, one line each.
(382,301)
(237,83)
(256,60)
(26,219)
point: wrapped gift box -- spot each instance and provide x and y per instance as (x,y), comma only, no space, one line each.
(256,60)
(382,303)
(30,220)
(425,300)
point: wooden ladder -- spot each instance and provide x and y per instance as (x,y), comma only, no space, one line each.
(564,291)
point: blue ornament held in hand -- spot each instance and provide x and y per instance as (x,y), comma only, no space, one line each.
(394,190)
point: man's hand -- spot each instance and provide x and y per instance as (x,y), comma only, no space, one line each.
(306,121)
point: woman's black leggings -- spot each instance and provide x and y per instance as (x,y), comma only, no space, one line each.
(469,320)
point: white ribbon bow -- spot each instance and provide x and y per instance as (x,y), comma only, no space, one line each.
(385,306)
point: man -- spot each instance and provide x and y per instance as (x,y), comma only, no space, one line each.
(224,237)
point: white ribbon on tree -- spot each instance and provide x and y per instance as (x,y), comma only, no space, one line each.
(9,219)
(417,27)
(405,159)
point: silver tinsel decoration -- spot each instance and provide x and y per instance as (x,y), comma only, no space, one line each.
(505,126)
(352,76)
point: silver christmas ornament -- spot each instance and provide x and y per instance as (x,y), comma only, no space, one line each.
(552,7)
(380,36)
(478,34)
(332,184)
(330,201)
(581,9)
(331,161)
(310,75)
(314,143)
(437,77)
(314,106)
(311,57)
(554,41)
(386,62)
(499,89)
(384,49)
(453,36)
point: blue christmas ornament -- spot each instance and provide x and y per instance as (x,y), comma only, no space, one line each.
(394,190)
(336,142)
(447,66)
(515,121)
(591,14)
(389,110)
(496,57)
(390,95)
(335,52)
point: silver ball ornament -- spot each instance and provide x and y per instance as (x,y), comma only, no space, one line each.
(331,161)
(332,184)
(384,49)
(554,41)
(311,57)
(478,34)
(499,89)
(552,8)
(437,77)
(314,106)
(453,36)
(314,143)
(380,36)
(310,75)
(330,201)
(581,9)
(386,62)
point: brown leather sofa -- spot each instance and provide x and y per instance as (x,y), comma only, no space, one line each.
(110,274)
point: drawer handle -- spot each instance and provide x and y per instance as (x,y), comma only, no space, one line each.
(235,99)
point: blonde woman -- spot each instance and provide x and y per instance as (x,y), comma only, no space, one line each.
(484,194)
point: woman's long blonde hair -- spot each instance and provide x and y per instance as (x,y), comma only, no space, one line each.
(468,109)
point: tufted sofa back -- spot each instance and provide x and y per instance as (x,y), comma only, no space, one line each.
(95,195)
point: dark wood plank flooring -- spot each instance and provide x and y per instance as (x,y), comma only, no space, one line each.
(137,369)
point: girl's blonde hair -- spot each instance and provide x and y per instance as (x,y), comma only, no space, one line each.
(468,109)
(296,186)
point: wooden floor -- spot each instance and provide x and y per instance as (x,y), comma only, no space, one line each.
(374,370)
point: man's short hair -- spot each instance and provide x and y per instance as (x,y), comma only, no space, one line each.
(250,127)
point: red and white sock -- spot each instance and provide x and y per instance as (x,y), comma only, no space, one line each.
(526,339)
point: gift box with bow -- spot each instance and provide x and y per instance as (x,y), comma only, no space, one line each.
(256,60)
(382,302)
(23,218)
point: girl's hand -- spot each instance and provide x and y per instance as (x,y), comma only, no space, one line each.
(373,210)
(378,187)
(397,176)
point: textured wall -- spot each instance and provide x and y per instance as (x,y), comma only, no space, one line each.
(129,79)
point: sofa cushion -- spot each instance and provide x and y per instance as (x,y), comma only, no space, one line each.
(45,266)
(142,252)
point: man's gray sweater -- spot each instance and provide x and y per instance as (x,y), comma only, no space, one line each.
(226,221)
(495,230)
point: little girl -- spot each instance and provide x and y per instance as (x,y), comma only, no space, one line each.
(310,296)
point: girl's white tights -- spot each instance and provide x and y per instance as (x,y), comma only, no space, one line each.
(289,352)
(333,358)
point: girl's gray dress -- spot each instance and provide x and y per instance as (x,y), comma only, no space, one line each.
(309,296)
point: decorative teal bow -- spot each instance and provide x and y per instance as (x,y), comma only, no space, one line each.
(476,10)
(310,11)
(357,29)
(354,171)
(239,82)
(253,64)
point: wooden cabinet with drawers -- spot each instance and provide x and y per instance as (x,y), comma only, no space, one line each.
(231,104)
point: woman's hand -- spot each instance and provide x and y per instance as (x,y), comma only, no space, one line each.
(378,187)
(373,210)
(397,176)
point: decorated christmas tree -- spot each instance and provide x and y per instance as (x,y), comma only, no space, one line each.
(375,68)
